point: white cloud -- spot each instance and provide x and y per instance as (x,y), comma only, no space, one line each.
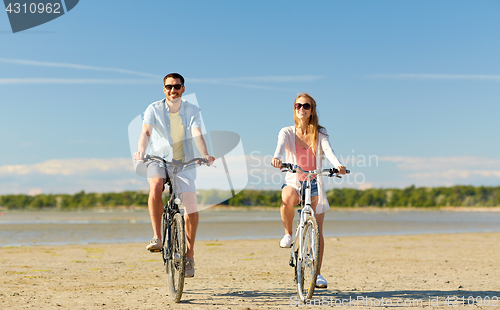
(71,185)
(259,86)
(233,81)
(75,66)
(414,76)
(104,175)
(266,79)
(366,185)
(456,174)
(35,191)
(236,81)
(75,81)
(129,81)
(440,171)
(442,163)
(68,167)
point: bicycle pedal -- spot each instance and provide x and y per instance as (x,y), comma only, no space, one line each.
(176,257)
(155,251)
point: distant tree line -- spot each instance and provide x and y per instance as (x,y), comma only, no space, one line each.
(77,201)
(457,196)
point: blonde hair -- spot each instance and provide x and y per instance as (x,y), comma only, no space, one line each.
(312,131)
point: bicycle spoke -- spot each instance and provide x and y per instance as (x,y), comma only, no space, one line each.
(308,263)
(176,263)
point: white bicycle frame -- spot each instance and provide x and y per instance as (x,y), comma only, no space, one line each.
(305,212)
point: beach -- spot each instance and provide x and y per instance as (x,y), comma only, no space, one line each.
(407,271)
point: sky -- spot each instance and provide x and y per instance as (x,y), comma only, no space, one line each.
(408,90)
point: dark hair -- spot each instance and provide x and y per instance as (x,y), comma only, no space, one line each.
(174,76)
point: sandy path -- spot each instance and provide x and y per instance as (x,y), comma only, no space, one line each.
(254,274)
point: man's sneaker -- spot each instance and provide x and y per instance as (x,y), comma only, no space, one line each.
(189,267)
(286,242)
(321,282)
(154,245)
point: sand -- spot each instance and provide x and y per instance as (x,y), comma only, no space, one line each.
(371,271)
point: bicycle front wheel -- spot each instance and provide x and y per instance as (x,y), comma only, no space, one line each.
(308,259)
(176,264)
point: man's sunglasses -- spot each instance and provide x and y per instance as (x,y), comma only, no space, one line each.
(176,86)
(305,106)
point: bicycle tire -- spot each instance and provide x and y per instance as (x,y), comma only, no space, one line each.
(307,267)
(164,236)
(176,264)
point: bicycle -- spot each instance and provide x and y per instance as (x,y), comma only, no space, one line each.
(305,256)
(173,234)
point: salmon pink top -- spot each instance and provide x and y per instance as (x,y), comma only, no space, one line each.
(286,146)
(305,160)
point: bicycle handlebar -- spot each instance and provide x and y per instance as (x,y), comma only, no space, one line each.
(175,163)
(293,168)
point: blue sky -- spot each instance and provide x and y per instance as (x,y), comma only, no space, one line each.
(414,85)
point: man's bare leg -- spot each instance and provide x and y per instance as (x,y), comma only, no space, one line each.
(155,205)
(191,219)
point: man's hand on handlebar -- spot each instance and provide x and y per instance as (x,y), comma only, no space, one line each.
(139,156)
(341,169)
(210,159)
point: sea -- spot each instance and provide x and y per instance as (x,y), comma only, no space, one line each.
(27,228)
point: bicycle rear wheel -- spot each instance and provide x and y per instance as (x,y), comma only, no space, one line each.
(176,264)
(308,260)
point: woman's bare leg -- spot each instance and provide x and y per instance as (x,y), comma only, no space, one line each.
(289,199)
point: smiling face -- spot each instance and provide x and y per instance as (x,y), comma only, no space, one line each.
(301,113)
(173,93)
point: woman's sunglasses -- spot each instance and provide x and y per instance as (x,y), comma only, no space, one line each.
(176,86)
(305,106)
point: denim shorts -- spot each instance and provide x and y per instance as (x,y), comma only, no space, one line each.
(314,188)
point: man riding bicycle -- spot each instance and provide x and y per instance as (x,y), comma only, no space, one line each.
(170,125)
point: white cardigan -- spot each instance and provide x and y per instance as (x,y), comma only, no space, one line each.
(286,141)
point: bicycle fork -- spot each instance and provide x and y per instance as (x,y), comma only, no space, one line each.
(168,248)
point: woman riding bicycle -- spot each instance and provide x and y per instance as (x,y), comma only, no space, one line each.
(304,144)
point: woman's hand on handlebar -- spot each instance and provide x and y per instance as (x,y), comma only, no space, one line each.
(276,163)
(341,169)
